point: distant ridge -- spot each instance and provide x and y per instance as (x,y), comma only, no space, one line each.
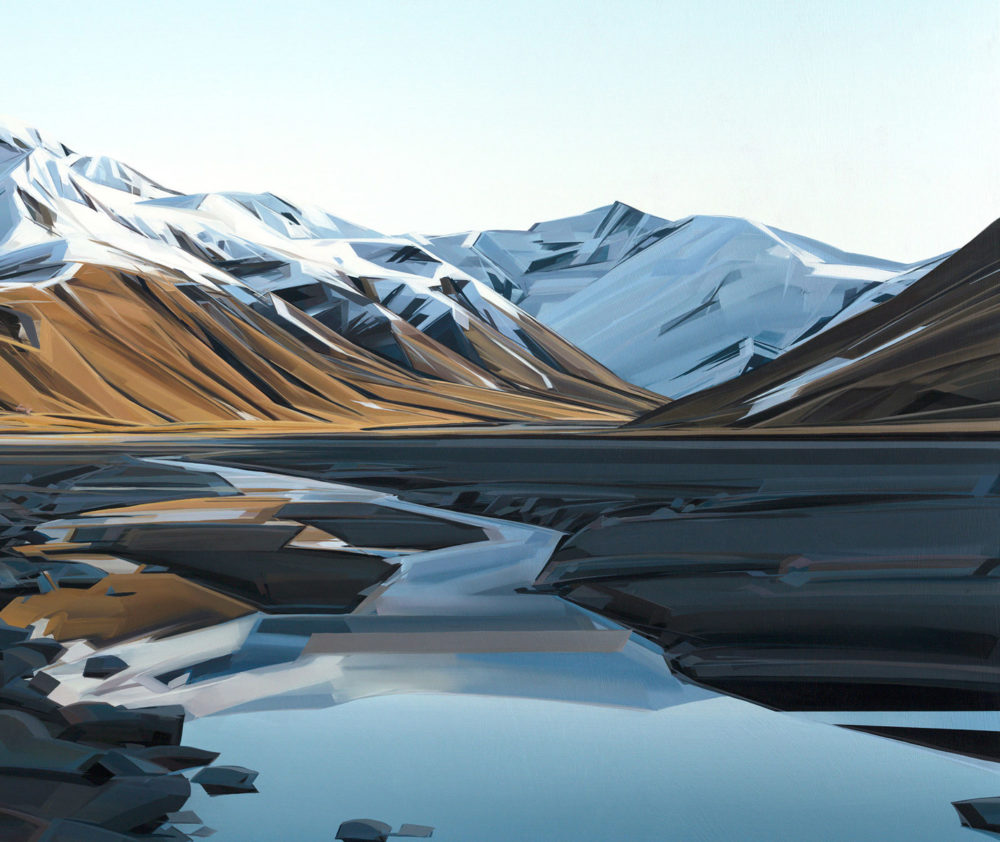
(931,354)
(677,306)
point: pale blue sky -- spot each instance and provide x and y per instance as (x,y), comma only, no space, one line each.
(874,126)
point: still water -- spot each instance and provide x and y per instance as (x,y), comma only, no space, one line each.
(487,769)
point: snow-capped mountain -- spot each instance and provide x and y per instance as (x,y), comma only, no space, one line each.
(90,247)
(679,306)
(121,298)
(929,355)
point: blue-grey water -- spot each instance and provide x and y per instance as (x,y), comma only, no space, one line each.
(486,769)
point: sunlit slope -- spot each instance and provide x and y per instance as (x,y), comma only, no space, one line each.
(152,349)
(120,299)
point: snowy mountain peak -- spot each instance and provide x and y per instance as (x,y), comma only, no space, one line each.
(17,138)
(676,306)
(119,176)
(673,306)
(339,302)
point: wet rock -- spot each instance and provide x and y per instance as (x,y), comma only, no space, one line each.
(175,758)
(372,830)
(226,780)
(43,683)
(98,722)
(364,830)
(979,813)
(103,666)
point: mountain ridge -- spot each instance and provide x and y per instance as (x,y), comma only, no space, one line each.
(457,353)
(678,306)
(125,301)
(930,354)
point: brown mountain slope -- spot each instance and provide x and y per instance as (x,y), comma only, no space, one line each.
(931,354)
(155,348)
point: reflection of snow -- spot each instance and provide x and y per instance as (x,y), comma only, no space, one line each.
(480,635)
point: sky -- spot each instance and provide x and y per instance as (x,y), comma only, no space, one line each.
(874,127)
